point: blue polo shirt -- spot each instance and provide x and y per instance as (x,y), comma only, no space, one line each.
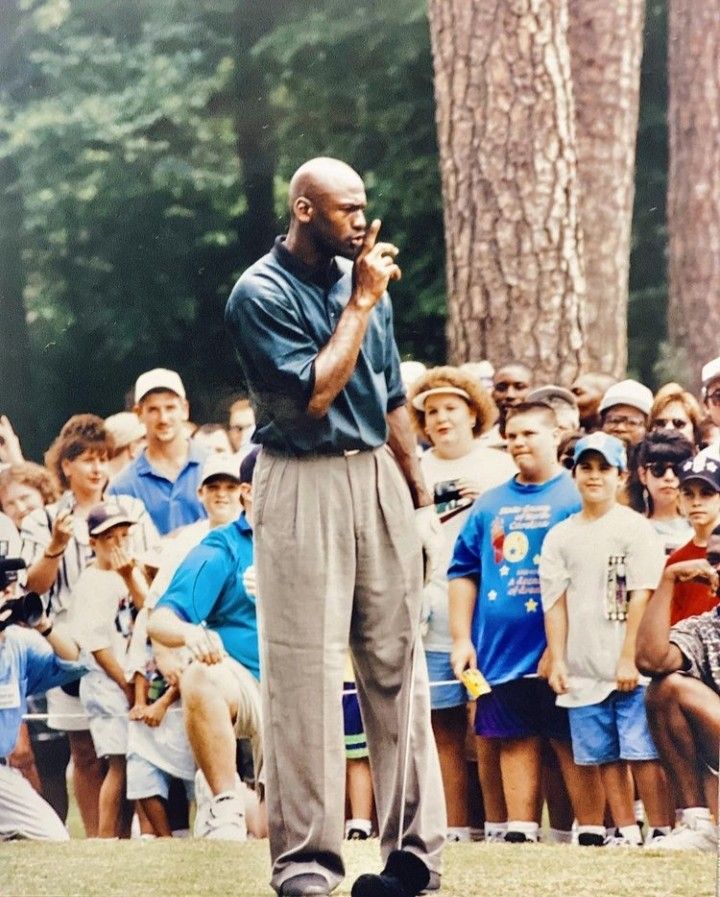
(280,315)
(27,666)
(208,587)
(169,504)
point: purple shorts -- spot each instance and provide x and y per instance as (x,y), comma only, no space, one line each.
(520,709)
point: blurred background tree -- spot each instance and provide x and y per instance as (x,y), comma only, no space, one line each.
(145,151)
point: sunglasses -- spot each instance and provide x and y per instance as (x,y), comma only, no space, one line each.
(663,423)
(503,386)
(568,461)
(713,397)
(659,468)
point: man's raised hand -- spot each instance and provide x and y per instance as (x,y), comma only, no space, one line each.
(374,268)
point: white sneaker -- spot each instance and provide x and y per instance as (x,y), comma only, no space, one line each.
(225,819)
(620,841)
(692,834)
(203,802)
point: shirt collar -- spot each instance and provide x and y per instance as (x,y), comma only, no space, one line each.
(324,276)
(196,455)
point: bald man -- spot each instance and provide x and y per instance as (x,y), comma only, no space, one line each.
(340,528)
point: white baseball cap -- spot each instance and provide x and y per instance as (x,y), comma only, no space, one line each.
(217,465)
(710,371)
(158,378)
(124,427)
(628,392)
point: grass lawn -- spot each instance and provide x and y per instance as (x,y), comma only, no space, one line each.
(187,867)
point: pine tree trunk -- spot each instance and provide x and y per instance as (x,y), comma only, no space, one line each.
(694,179)
(508,166)
(605,53)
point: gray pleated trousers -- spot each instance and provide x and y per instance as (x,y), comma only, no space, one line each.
(339,562)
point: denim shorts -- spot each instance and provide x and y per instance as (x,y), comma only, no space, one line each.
(521,709)
(146,780)
(615,729)
(439,670)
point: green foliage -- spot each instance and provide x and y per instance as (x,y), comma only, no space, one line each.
(142,137)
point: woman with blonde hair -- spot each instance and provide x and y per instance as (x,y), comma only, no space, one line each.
(450,410)
(676,409)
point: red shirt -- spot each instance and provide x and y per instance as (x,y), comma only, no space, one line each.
(689,598)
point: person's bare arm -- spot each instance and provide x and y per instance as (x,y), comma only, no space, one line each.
(401,440)
(655,654)
(108,663)
(374,268)
(167,628)
(43,572)
(626,672)
(556,630)
(462,595)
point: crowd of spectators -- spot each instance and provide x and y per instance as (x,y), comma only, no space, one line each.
(580,547)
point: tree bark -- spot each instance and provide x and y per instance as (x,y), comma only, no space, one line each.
(605,52)
(508,167)
(694,180)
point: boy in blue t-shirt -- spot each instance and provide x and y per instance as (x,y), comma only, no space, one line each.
(496,619)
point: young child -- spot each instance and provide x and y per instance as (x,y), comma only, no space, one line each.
(700,503)
(597,571)
(158,748)
(107,597)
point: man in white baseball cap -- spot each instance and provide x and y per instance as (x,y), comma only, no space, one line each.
(166,474)
(624,410)
(710,377)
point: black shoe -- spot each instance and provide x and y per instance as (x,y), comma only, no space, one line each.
(590,839)
(404,875)
(307,884)
(357,834)
(517,838)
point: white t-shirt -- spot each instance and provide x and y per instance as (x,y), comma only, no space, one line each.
(597,562)
(102,613)
(173,551)
(488,468)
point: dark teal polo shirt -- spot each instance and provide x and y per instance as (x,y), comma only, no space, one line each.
(280,315)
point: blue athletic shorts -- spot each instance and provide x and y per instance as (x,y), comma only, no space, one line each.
(614,729)
(355,743)
(439,670)
(521,709)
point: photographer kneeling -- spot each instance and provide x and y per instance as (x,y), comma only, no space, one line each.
(30,663)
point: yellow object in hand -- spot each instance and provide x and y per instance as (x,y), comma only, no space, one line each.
(475,683)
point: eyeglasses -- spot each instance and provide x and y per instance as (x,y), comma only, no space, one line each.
(659,468)
(623,420)
(663,423)
(712,397)
(503,386)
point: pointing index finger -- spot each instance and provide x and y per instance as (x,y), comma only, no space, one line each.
(370,236)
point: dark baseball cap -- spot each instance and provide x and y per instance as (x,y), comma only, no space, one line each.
(106,515)
(704,469)
(247,465)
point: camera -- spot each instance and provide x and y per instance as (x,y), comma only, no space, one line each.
(27,608)
(447,491)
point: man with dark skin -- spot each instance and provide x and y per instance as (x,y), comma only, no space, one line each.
(339,548)
(683,701)
(588,390)
(511,384)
